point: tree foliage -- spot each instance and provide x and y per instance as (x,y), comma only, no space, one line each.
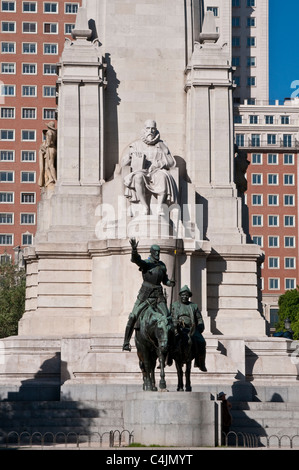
(288,304)
(12,298)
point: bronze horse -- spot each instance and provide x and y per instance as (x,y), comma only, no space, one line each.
(151,339)
(182,351)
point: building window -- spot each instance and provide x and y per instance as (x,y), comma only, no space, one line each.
(29,90)
(251,61)
(290,283)
(29,47)
(51,28)
(290,263)
(289,221)
(273,241)
(29,7)
(273,199)
(272,178)
(236,41)
(7,134)
(8,67)
(257,178)
(6,218)
(257,199)
(28,156)
(287,140)
(289,200)
(71,8)
(6,239)
(28,113)
(50,7)
(269,119)
(8,47)
(27,219)
(236,61)
(68,27)
(255,140)
(27,176)
(253,119)
(50,49)
(7,113)
(288,159)
(257,240)
(235,3)
(50,69)
(273,220)
(29,69)
(49,114)
(49,91)
(256,159)
(288,180)
(6,198)
(251,3)
(285,119)
(29,27)
(238,119)
(240,140)
(215,10)
(251,41)
(273,262)
(289,242)
(7,155)
(27,239)
(273,283)
(6,176)
(8,26)
(28,135)
(251,22)
(257,220)
(251,81)
(272,159)
(27,198)
(271,139)
(8,6)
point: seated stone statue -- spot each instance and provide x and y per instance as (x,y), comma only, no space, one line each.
(150,161)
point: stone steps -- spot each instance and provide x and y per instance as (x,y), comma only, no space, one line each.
(60,416)
(266,419)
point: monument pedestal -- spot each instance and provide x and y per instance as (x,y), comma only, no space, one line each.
(171,419)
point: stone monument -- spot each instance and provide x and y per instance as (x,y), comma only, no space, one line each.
(130,63)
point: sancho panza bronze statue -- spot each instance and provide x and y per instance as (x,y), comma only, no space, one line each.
(151,294)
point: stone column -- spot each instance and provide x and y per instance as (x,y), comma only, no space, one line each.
(80,109)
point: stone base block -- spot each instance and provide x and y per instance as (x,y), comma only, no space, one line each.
(170,419)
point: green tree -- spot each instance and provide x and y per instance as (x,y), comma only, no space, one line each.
(12,298)
(288,304)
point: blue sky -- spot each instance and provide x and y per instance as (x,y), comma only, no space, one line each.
(283,48)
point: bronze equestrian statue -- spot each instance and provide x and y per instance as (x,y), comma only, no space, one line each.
(187,341)
(150,316)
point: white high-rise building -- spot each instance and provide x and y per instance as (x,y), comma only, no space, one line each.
(248,37)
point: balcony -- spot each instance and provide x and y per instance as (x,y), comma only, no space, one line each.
(256,143)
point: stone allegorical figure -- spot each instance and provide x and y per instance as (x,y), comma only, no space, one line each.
(151,294)
(47,156)
(150,161)
(187,314)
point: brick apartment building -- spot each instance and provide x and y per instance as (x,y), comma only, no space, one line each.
(32,36)
(269,134)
